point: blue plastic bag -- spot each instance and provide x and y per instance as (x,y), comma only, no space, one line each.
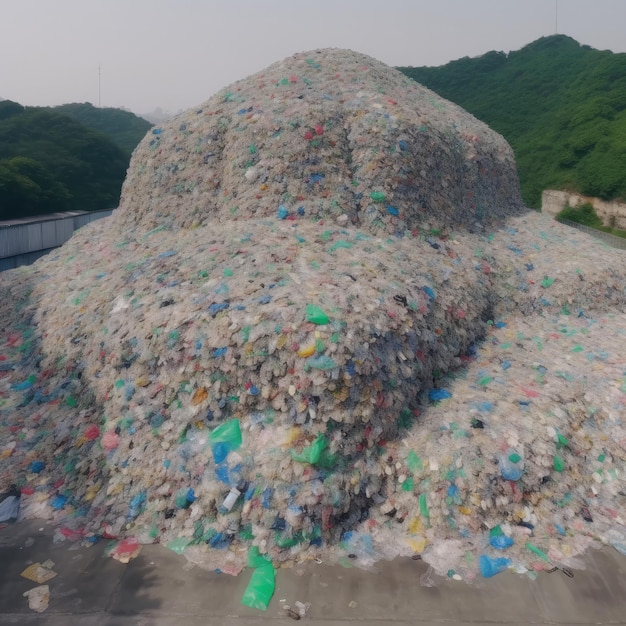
(490,567)
(501,542)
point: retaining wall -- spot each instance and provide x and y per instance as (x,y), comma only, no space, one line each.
(23,241)
(611,213)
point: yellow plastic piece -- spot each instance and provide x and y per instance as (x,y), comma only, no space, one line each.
(417,545)
(307,351)
(416,526)
(199,396)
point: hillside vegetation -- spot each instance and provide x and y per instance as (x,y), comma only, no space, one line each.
(124,127)
(561,106)
(71,157)
(49,162)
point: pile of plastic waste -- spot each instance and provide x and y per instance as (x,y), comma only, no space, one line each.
(321,325)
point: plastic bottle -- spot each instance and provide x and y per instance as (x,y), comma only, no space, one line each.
(231,498)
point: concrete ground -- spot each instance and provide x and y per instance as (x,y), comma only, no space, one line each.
(159,588)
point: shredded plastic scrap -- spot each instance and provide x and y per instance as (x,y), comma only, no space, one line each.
(322,326)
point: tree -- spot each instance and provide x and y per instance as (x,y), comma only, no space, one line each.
(51,162)
(27,188)
(560,105)
(9,108)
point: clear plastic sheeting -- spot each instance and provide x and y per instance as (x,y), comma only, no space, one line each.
(322,326)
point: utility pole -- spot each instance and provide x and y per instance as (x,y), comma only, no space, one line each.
(556,17)
(99,87)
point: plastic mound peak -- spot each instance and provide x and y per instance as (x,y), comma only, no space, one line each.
(321,324)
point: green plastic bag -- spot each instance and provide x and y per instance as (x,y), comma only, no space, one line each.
(261,587)
(408,484)
(256,559)
(414,462)
(316,453)
(179,544)
(224,439)
(228,432)
(288,540)
(315,315)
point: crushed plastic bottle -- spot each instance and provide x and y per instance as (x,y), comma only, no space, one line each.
(229,501)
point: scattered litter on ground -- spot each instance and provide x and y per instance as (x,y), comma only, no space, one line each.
(321,326)
(299,610)
(302,608)
(39,572)
(126,550)
(262,583)
(38,598)
(292,613)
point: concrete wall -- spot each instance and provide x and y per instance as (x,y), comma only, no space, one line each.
(611,213)
(23,241)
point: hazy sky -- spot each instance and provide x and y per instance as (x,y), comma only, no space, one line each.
(175,54)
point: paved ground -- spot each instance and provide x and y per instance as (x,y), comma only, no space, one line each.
(158,588)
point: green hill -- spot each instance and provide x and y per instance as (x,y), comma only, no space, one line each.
(49,162)
(124,127)
(561,106)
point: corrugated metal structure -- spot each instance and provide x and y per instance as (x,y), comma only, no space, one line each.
(23,241)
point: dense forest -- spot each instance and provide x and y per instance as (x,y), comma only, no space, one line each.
(561,106)
(51,160)
(125,128)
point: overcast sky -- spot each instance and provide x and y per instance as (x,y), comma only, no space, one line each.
(175,54)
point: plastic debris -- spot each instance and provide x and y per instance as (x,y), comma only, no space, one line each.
(321,323)
(499,540)
(299,611)
(38,598)
(38,573)
(230,500)
(10,504)
(260,589)
(302,608)
(315,315)
(126,550)
(489,567)
(293,614)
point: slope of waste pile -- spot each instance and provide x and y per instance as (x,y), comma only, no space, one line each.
(322,325)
